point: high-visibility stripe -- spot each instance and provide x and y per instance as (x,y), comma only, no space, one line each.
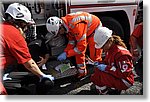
(90,20)
(65,26)
(83,37)
(126,83)
(71,25)
(102,90)
(72,42)
(81,70)
(77,51)
(81,18)
(81,65)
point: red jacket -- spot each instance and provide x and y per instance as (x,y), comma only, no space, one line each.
(119,63)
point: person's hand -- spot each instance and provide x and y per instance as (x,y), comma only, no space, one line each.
(135,52)
(101,67)
(50,77)
(46,82)
(6,77)
(96,63)
(41,62)
(62,56)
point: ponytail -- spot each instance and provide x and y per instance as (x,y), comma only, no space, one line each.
(117,40)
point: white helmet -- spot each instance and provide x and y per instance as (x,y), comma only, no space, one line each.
(53,25)
(102,34)
(20,12)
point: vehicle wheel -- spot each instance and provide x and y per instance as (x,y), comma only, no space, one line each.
(114,25)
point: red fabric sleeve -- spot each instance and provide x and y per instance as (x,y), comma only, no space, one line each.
(138,31)
(69,46)
(79,30)
(122,68)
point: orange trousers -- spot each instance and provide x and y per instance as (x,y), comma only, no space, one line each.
(95,54)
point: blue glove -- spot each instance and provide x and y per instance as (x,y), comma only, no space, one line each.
(101,67)
(50,77)
(62,56)
(96,63)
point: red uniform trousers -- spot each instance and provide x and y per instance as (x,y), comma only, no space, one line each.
(100,78)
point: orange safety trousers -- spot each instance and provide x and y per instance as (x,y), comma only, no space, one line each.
(95,55)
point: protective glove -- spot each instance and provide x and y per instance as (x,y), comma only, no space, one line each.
(6,77)
(50,77)
(101,67)
(96,63)
(62,56)
(46,82)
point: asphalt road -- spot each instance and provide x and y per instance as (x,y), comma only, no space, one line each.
(85,87)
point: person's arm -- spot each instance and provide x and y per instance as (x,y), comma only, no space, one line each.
(18,48)
(122,68)
(45,54)
(32,66)
(137,33)
(134,48)
(71,43)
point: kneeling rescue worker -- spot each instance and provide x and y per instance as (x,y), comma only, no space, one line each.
(115,73)
(80,28)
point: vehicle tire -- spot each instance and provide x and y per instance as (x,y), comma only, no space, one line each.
(114,25)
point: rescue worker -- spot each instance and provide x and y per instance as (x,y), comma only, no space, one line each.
(115,72)
(136,48)
(136,41)
(80,27)
(136,38)
(13,45)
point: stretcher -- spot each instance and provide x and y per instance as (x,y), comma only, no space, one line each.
(61,69)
